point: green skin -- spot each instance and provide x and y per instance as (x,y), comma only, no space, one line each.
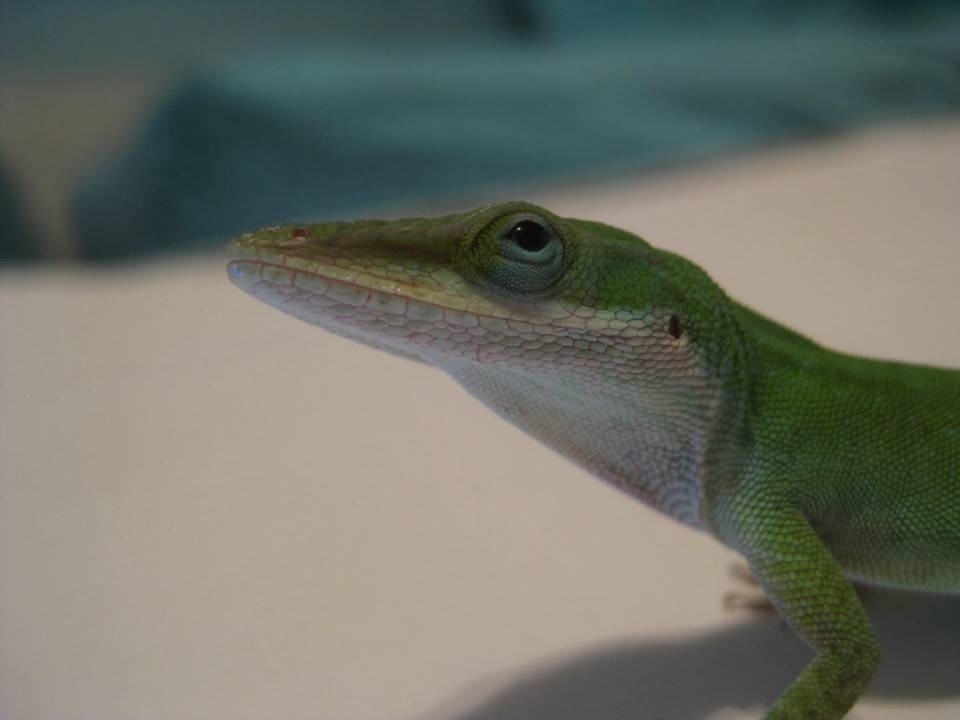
(818,467)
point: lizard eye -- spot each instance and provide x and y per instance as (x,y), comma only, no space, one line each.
(520,255)
(531,242)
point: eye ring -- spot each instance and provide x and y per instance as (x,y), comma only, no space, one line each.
(519,254)
(530,241)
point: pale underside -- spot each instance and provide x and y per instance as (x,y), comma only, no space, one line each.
(629,405)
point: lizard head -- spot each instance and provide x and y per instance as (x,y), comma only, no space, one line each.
(509,284)
(582,334)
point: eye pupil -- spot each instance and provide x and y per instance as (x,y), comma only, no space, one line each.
(529,236)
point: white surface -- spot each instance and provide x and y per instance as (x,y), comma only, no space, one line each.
(209,510)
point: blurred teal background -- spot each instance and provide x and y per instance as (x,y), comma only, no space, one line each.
(136,127)
(212,511)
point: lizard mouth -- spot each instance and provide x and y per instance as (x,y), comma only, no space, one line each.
(341,295)
(372,310)
(378,282)
(420,310)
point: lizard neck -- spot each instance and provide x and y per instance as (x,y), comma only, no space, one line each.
(649,439)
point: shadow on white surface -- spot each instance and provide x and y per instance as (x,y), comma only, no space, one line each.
(743,666)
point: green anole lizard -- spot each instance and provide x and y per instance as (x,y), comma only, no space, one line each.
(818,467)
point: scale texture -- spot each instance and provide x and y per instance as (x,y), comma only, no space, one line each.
(820,468)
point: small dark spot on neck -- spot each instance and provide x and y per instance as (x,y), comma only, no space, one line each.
(674,327)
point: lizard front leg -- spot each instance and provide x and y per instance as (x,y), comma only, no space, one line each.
(808,588)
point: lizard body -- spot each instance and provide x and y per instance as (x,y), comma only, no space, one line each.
(818,467)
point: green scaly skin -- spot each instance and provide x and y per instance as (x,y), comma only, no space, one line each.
(820,468)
